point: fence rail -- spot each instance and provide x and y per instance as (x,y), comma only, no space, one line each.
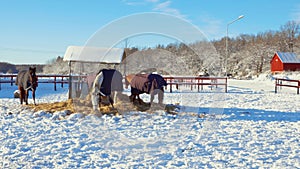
(192,81)
(287,83)
(196,82)
(55,79)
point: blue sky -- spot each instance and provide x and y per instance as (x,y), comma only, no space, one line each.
(36,31)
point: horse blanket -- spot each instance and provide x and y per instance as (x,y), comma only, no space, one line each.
(147,83)
(106,82)
(112,81)
(139,84)
(156,82)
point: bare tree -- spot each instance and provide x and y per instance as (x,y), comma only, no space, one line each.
(290,32)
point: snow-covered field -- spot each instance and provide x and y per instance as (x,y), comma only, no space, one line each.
(248,127)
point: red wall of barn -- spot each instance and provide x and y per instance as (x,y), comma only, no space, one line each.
(291,66)
(276,64)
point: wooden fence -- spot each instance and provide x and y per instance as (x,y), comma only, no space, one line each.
(55,79)
(177,81)
(196,82)
(287,83)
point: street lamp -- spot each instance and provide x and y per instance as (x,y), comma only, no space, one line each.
(240,17)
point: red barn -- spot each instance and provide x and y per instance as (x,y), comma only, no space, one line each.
(285,61)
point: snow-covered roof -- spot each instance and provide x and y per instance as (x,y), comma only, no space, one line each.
(94,54)
(288,57)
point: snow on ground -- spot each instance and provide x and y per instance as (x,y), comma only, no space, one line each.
(248,127)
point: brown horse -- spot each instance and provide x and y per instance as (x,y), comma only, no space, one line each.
(145,83)
(135,93)
(27,80)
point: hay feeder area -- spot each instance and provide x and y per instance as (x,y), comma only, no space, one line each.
(72,106)
(123,105)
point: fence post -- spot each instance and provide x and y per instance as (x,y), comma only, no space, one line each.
(226,85)
(11,81)
(298,87)
(55,83)
(275,85)
(198,85)
(62,81)
(171,85)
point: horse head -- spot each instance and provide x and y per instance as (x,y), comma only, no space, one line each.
(33,78)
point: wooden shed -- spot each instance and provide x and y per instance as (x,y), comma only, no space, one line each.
(87,55)
(285,61)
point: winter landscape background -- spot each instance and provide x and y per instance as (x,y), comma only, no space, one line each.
(248,127)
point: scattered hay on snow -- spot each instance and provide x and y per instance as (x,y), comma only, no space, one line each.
(53,107)
(84,106)
(123,105)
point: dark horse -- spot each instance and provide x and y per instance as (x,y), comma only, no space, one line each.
(106,83)
(146,83)
(27,80)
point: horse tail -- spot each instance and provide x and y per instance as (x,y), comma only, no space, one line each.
(16,82)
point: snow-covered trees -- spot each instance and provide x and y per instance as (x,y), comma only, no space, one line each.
(248,55)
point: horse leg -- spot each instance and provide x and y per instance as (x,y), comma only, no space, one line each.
(115,95)
(26,97)
(21,94)
(33,96)
(95,101)
(100,100)
(132,97)
(154,92)
(111,101)
(161,96)
(151,97)
(139,99)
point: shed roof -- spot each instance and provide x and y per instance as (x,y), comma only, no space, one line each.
(288,57)
(94,54)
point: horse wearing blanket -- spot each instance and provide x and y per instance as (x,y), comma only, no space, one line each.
(107,82)
(146,83)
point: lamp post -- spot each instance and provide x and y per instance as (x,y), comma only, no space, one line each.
(240,17)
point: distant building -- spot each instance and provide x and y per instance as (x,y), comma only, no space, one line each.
(285,61)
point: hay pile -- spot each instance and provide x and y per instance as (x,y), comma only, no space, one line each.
(123,105)
(85,106)
(75,106)
(53,107)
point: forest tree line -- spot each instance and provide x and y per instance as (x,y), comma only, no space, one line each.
(248,55)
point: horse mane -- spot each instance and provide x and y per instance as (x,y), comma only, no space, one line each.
(129,77)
